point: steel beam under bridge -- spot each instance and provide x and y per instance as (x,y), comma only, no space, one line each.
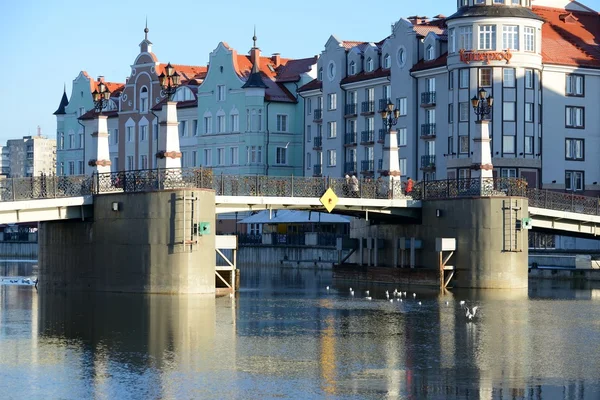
(564,221)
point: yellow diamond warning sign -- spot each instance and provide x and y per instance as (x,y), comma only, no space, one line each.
(329,200)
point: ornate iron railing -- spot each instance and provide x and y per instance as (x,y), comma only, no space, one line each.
(45,187)
(350,109)
(563,201)
(427,162)
(350,139)
(350,167)
(367,137)
(428,130)
(383,103)
(475,187)
(318,114)
(368,107)
(427,98)
(317,142)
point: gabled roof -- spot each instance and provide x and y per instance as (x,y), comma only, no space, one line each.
(64,102)
(187,72)
(570,37)
(441,61)
(315,84)
(291,71)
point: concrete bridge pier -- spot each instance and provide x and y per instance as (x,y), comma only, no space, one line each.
(151,242)
(491,244)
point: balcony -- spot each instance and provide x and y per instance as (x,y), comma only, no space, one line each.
(427,162)
(318,114)
(317,142)
(350,168)
(368,107)
(366,166)
(350,110)
(367,137)
(383,104)
(350,139)
(381,138)
(318,170)
(427,131)
(380,165)
(427,99)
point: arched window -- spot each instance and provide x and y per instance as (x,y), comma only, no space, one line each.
(352,68)
(144,99)
(429,53)
(369,64)
(387,61)
(320,76)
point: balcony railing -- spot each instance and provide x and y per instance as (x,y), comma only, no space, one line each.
(350,139)
(367,137)
(427,162)
(382,133)
(317,142)
(380,164)
(383,104)
(351,109)
(350,167)
(368,107)
(428,130)
(366,166)
(318,114)
(317,170)
(428,98)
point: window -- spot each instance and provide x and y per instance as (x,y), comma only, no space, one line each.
(574,117)
(80,168)
(508,110)
(221,128)
(574,149)
(71,140)
(331,158)
(130,165)
(485,77)
(255,154)
(387,61)
(574,85)
(351,126)
(528,144)
(194,158)
(281,158)
(430,84)
(155,129)
(487,37)
(208,124)
(465,38)
(331,70)
(369,64)
(234,155)
(144,100)
(308,161)
(498,1)
(144,162)
(61,140)
(508,144)
(143,132)
(387,92)
(220,92)
(207,157)
(509,77)
(220,156)
(451,146)
(528,112)
(463,78)
(185,159)
(61,168)
(430,53)
(248,121)
(508,173)
(195,127)
(320,75)
(332,101)
(528,79)
(463,144)
(308,133)
(81,111)
(332,129)
(574,181)
(463,109)
(451,41)
(129,130)
(116,138)
(510,37)
(259,121)
(308,106)
(370,94)
(402,104)
(352,68)
(529,38)
(402,134)
(183,131)
(71,167)
(451,80)
(401,56)
(403,166)
(450,113)
(81,140)
(282,123)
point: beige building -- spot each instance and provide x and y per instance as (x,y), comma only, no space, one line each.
(31,156)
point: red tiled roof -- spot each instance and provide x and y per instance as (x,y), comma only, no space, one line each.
(187,72)
(570,37)
(312,85)
(364,76)
(438,62)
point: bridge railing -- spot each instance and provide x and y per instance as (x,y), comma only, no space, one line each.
(560,201)
(472,187)
(45,187)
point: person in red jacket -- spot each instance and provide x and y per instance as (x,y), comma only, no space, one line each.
(409,186)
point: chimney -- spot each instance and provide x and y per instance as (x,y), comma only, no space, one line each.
(416,20)
(100,78)
(276,58)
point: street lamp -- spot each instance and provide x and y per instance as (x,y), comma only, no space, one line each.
(169,81)
(390,116)
(482,104)
(100,96)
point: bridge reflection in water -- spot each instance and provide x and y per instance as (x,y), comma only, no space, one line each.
(285,335)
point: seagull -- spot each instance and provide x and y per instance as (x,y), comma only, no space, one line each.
(369,298)
(400,300)
(367,292)
(327,287)
(414,295)
(419,303)
(462,303)
(470,315)
(404,294)
(350,289)
(352,293)
(391,300)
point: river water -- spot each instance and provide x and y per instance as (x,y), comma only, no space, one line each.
(285,336)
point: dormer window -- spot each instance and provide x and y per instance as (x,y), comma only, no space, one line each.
(387,61)
(352,68)
(429,53)
(320,76)
(369,64)
(144,99)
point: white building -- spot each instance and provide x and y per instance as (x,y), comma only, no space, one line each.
(540,63)
(30,156)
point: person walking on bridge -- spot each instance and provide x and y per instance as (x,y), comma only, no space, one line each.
(409,186)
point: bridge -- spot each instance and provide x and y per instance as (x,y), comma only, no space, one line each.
(48,198)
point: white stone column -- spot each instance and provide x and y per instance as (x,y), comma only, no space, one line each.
(99,154)
(481,167)
(169,153)
(390,169)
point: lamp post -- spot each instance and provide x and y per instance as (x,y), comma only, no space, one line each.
(169,81)
(390,167)
(390,116)
(100,96)
(482,104)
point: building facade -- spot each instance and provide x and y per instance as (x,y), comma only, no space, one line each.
(30,156)
(540,62)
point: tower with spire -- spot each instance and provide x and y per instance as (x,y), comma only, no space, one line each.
(146,45)
(255,78)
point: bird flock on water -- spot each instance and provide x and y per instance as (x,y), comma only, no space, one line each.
(400,296)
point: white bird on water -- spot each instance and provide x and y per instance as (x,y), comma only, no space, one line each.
(367,292)
(369,298)
(327,287)
(391,300)
(471,314)
(414,295)
(352,293)
(462,303)
(419,303)
(404,293)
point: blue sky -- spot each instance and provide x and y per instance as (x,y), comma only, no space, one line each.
(44,45)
